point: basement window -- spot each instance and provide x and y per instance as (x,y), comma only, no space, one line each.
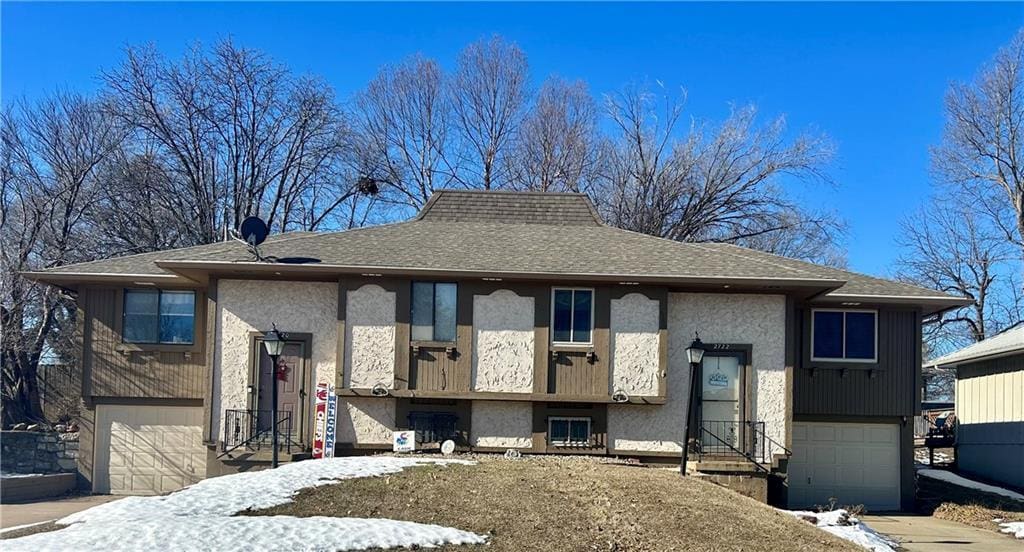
(569,432)
(158,316)
(433,311)
(844,335)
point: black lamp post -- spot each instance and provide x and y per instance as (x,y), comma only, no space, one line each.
(274,342)
(695,354)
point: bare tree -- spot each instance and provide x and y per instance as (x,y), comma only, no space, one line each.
(950,247)
(489,93)
(557,145)
(50,152)
(711,184)
(404,120)
(983,145)
(239,135)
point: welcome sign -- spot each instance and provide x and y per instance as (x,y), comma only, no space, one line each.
(332,422)
(323,392)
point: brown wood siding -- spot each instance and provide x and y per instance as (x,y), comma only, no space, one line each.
(889,387)
(570,373)
(118,370)
(433,369)
(598,414)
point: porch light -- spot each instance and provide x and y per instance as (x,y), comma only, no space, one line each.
(695,352)
(274,342)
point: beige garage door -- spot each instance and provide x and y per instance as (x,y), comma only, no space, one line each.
(147,450)
(854,463)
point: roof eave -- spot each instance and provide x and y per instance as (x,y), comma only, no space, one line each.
(196,269)
(929,305)
(71,280)
(957,362)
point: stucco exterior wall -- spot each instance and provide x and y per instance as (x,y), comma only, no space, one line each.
(369,337)
(502,424)
(503,341)
(634,344)
(365,421)
(758,320)
(246,306)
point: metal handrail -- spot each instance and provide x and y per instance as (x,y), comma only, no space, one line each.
(747,442)
(241,429)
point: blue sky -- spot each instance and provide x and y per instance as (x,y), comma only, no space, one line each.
(871,76)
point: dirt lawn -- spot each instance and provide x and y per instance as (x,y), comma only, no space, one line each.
(955,503)
(568,503)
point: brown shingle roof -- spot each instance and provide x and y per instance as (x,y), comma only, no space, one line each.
(510,207)
(518,233)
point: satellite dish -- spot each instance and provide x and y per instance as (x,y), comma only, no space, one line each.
(447,447)
(253,230)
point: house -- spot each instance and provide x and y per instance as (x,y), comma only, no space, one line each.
(505,321)
(990,406)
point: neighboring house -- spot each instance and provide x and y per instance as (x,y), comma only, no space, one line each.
(990,406)
(505,321)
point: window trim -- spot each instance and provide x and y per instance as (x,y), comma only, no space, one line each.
(433,311)
(570,419)
(572,317)
(197,315)
(873,360)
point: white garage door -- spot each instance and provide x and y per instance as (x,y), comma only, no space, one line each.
(853,463)
(148,450)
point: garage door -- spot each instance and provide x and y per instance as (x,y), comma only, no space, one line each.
(853,463)
(148,450)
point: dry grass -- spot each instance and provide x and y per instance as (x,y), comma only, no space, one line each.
(26,531)
(955,503)
(568,503)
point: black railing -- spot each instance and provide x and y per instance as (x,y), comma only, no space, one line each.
(251,430)
(739,439)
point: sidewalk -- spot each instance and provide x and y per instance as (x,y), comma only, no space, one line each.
(14,515)
(919,533)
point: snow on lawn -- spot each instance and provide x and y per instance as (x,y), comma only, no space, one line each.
(1015,528)
(841,524)
(921,457)
(950,477)
(201,517)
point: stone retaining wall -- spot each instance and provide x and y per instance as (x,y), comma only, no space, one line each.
(42,452)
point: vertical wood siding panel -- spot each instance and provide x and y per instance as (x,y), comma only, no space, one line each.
(139,374)
(891,390)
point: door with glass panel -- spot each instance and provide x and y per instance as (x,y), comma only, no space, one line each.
(721,402)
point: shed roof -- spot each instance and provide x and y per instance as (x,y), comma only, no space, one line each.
(1007,342)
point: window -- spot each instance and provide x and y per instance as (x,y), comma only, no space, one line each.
(572,315)
(433,311)
(569,432)
(850,336)
(158,316)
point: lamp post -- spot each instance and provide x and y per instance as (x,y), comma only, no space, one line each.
(695,354)
(274,342)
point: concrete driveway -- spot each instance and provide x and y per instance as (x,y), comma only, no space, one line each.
(918,533)
(15,515)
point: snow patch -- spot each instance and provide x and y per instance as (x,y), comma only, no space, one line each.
(12,475)
(1015,528)
(950,477)
(201,516)
(841,524)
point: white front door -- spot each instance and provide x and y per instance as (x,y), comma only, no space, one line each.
(721,401)
(852,463)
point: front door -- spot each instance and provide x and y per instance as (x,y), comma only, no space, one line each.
(721,402)
(291,391)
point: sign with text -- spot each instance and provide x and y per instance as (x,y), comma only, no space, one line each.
(323,393)
(330,427)
(404,441)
